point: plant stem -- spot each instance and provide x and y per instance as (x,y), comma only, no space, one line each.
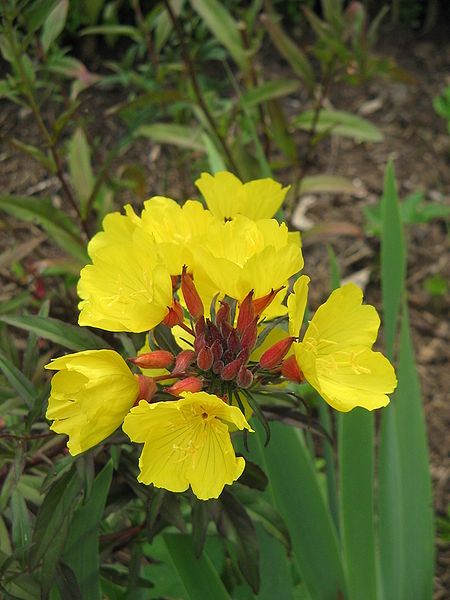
(196,87)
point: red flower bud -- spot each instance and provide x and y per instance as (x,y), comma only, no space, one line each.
(147,388)
(246,313)
(158,359)
(233,342)
(183,361)
(223,314)
(244,377)
(200,326)
(291,370)
(175,315)
(273,356)
(230,370)
(190,384)
(250,335)
(190,295)
(199,342)
(217,350)
(260,304)
(218,367)
(205,358)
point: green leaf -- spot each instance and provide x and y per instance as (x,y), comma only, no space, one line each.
(82,176)
(52,525)
(21,526)
(54,24)
(406,506)
(164,25)
(55,223)
(276,577)
(216,162)
(36,12)
(269,91)
(170,133)
(18,381)
(393,258)
(198,575)
(297,495)
(356,486)
(65,334)
(241,532)
(223,26)
(81,550)
(126,30)
(326,183)
(289,50)
(338,122)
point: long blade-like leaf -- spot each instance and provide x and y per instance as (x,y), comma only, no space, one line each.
(197,574)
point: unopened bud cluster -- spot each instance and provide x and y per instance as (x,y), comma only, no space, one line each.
(222,346)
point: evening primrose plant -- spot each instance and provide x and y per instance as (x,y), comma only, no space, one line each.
(217,281)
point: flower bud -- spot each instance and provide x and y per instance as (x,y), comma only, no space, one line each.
(274,355)
(244,377)
(205,358)
(223,314)
(246,313)
(291,370)
(190,384)
(200,326)
(175,315)
(218,367)
(260,304)
(217,350)
(190,295)
(230,370)
(183,361)
(147,388)
(199,342)
(233,342)
(158,359)
(250,335)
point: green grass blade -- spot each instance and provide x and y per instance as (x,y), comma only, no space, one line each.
(198,575)
(67,335)
(82,547)
(393,258)
(295,488)
(356,477)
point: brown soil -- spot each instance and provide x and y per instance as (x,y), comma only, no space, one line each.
(414,136)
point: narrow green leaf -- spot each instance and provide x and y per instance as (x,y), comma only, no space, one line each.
(126,30)
(54,24)
(170,133)
(276,578)
(298,497)
(82,176)
(393,258)
(216,162)
(269,90)
(67,335)
(356,481)
(164,25)
(18,381)
(279,130)
(338,122)
(326,183)
(289,50)
(81,551)
(223,26)
(21,525)
(55,223)
(198,575)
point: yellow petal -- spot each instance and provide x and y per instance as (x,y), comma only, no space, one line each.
(90,395)
(343,320)
(187,442)
(297,304)
(227,197)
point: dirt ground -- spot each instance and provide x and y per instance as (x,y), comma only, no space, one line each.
(414,136)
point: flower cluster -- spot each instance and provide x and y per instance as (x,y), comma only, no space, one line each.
(218,277)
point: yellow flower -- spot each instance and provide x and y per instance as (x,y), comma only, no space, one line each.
(187,442)
(175,229)
(243,255)
(126,288)
(335,355)
(90,396)
(227,197)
